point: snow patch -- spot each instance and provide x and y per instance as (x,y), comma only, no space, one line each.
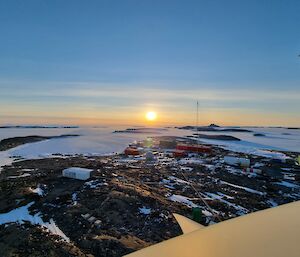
(145,211)
(178,180)
(190,161)
(21,214)
(287,184)
(250,190)
(272,203)
(241,210)
(182,199)
(75,198)
(95,184)
(20,176)
(38,191)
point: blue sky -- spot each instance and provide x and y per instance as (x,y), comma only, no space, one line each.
(110,61)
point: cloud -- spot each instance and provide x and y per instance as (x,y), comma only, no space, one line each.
(155,92)
(130,101)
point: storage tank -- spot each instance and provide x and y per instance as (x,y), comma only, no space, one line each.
(150,156)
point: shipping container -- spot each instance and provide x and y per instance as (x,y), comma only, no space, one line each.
(77,173)
(131,151)
(194,148)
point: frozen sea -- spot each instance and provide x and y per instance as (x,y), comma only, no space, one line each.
(102,140)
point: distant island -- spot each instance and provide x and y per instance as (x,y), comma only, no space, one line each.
(214,128)
(216,137)
(36,126)
(13,142)
(141,130)
(259,135)
(280,127)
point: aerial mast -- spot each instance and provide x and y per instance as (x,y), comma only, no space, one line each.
(197,120)
(197,115)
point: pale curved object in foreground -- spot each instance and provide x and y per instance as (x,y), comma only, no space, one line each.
(187,225)
(273,232)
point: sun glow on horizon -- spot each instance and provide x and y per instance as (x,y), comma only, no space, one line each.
(151,116)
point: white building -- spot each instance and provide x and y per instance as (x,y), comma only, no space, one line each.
(231,160)
(77,173)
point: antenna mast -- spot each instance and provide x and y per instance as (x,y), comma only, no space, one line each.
(197,120)
(197,115)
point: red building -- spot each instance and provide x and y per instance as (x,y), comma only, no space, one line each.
(179,153)
(131,151)
(193,148)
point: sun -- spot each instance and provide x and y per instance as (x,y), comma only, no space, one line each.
(151,116)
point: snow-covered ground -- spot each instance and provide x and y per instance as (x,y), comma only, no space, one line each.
(92,141)
(101,140)
(250,190)
(22,214)
(223,198)
(287,184)
(274,139)
(144,210)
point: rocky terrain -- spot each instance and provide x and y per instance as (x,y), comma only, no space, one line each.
(128,202)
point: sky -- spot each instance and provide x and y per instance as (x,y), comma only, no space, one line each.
(109,62)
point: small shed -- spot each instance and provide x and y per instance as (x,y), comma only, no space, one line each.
(236,161)
(77,173)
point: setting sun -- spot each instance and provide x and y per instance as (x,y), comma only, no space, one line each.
(151,116)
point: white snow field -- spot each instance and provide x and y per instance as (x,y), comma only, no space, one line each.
(102,141)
